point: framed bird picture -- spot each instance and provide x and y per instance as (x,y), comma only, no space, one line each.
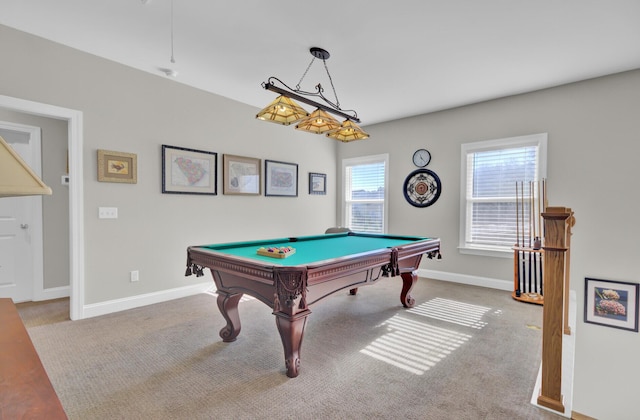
(117,167)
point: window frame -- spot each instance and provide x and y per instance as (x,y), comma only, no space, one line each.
(539,140)
(365,160)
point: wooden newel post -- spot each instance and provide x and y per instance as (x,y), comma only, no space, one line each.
(555,224)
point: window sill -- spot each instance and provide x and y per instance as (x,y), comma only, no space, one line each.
(487,251)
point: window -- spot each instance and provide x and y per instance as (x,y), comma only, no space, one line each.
(365,182)
(489,216)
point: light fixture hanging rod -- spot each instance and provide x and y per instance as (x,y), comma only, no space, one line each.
(295,96)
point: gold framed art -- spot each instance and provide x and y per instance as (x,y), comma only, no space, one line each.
(117,167)
(241,175)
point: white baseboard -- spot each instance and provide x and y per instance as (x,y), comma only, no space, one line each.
(52,293)
(103,308)
(116,305)
(467,279)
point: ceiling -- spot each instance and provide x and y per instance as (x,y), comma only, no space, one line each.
(389,59)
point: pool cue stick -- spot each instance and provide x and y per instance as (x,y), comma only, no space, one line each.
(524,273)
(544,208)
(532,255)
(531,227)
(539,212)
(519,274)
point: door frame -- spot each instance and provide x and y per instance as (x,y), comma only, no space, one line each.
(35,215)
(76,197)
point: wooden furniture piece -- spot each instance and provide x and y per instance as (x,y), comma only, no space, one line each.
(321,266)
(25,389)
(528,272)
(556,222)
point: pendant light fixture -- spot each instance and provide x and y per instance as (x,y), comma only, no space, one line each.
(284,110)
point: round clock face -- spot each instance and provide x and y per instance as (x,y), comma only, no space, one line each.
(422,188)
(421,158)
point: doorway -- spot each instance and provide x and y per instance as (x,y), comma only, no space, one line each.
(76,203)
(21,230)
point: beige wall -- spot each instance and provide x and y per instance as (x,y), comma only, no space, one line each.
(594,141)
(593,130)
(130,111)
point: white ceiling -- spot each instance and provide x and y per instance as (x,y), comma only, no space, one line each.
(389,59)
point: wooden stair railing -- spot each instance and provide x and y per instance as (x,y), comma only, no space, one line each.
(557,223)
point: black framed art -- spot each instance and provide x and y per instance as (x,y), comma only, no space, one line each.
(611,303)
(189,171)
(317,183)
(280,179)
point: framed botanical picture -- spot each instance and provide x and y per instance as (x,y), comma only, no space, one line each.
(611,303)
(317,183)
(280,179)
(241,175)
(117,167)
(189,171)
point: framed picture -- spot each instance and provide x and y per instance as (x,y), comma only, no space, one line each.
(317,183)
(189,171)
(241,175)
(280,179)
(117,167)
(611,303)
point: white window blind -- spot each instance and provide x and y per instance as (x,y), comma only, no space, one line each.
(365,192)
(491,170)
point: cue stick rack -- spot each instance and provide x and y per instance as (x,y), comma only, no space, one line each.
(528,255)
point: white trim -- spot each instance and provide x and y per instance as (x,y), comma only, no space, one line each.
(467,279)
(76,198)
(539,140)
(363,160)
(51,293)
(117,305)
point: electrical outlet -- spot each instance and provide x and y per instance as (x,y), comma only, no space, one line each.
(107,212)
(134,275)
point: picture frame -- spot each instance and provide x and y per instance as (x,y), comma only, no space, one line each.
(317,183)
(611,303)
(280,179)
(241,175)
(117,167)
(189,171)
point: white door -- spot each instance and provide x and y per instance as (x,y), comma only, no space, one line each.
(21,227)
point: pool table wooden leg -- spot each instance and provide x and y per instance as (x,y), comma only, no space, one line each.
(408,280)
(228,305)
(291,328)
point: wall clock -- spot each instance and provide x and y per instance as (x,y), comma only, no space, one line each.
(422,188)
(421,158)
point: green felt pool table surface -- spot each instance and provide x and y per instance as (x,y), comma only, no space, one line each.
(314,249)
(321,266)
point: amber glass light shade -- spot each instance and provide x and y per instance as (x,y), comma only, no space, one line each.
(282,111)
(348,131)
(16,177)
(318,122)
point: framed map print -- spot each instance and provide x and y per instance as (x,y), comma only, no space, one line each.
(189,171)
(241,175)
(280,179)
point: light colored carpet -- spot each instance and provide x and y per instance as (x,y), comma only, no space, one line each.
(463,352)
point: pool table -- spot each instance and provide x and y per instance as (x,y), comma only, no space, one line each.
(320,266)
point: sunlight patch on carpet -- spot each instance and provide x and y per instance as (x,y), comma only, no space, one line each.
(244,298)
(413,345)
(460,313)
